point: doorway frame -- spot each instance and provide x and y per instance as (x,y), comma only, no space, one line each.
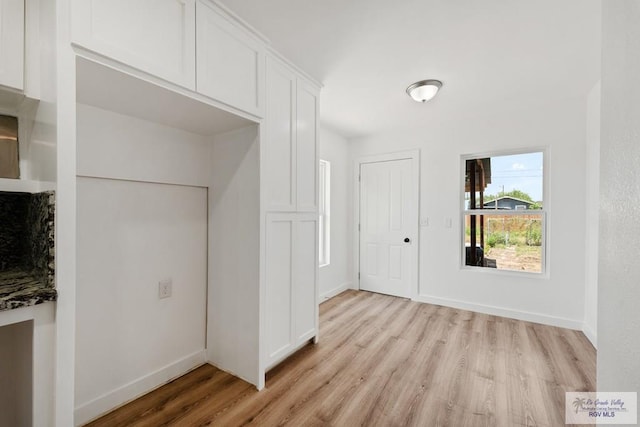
(414,156)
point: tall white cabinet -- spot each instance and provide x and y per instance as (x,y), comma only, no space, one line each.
(291,146)
(291,305)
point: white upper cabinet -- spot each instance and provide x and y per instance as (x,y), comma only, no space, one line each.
(12,43)
(280,137)
(229,61)
(155,36)
(291,140)
(306,147)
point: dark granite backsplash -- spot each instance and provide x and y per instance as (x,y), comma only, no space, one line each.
(41,236)
(14,213)
(27,249)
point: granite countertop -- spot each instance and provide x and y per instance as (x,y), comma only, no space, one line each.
(23,289)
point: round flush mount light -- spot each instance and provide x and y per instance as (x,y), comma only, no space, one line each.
(424,90)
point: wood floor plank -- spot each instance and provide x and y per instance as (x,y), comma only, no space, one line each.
(386,361)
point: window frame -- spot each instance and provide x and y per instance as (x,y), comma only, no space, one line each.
(324,213)
(544,212)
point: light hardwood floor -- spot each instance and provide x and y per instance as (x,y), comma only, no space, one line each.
(386,361)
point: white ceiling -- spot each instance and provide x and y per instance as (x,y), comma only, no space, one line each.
(492,55)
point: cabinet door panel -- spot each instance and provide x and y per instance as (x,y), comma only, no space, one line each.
(155,36)
(12,43)
(305,290)
(306,145)
(280,143)
(279,280)
(229,61)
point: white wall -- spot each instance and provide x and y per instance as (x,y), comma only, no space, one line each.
(234,255)
(592,204)
(561,127)
(118,146)
(136,227)
(336,277)
(619,269)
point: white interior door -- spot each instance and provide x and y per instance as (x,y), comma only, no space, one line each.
(388,227)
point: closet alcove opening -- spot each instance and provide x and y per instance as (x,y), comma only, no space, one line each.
(167,188)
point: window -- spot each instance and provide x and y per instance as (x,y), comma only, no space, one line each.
(504,212)
(324,208)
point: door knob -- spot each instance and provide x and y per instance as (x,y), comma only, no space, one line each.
(407,240)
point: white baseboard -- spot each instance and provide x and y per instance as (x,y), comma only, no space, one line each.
(118,397)
(591,335)
(333,292)
(503,312)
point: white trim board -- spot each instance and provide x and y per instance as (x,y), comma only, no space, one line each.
(503,312)
(591,335)
(128,392)
(335,291)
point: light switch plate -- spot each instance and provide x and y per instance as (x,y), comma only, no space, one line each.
(164,288)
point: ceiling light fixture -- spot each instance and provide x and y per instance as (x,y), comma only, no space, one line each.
(424,90)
